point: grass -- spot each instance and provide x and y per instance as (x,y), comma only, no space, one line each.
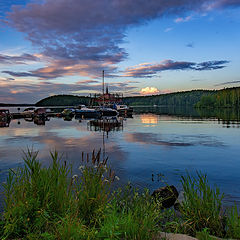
(202,206)
(51,203)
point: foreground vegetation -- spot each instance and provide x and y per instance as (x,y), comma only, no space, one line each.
(45,203)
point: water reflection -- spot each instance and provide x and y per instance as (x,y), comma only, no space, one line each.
(138,148)
(40,120)
(173,140)
(149,119)
(106,124)
(4,124)
(228,117)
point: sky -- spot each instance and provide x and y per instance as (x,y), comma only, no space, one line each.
(50,47)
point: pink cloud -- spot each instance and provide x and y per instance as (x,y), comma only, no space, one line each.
(186,19)
(149,91)
(28,92)
(148,70)
(90,33)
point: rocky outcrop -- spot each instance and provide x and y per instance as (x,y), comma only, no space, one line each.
(166,195)
(172,236)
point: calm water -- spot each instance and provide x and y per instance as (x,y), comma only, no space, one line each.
(165,144)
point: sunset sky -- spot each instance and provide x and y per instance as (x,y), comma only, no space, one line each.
(50,47)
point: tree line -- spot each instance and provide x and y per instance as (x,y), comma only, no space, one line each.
(228,97)
(187,98)
(63,100)
(224,98)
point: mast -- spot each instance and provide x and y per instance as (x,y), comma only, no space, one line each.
(103,86)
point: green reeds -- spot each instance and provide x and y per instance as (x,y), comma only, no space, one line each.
(35,196)
(233,223)
(202,206)
(131,215)
(50,203)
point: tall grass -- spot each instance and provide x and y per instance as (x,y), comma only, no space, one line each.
(131,215)
(50,203)
(233,223)
(35,196)
(202,206)
(92,188)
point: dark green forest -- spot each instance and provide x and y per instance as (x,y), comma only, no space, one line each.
(188,98)
(224,98)
(229,97)
(63,100)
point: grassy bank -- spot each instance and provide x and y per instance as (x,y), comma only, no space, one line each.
(51,203)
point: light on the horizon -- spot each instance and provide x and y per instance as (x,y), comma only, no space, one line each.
(149,90)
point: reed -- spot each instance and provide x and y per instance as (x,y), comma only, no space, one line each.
(233,223)
(52,203)
(131,215)
(202,206)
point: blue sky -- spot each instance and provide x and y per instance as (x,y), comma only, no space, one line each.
(53,47)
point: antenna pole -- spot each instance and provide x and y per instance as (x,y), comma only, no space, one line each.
(103,87)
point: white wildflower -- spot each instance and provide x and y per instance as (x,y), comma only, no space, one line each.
(81,168)
(117,178)
(75,176)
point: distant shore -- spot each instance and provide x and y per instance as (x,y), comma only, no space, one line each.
(15,104)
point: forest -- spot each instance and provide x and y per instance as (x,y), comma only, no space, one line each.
(63,100)
(227,98)
(224,98)
(187,98)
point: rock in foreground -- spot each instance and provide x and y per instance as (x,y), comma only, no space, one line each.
(167,195)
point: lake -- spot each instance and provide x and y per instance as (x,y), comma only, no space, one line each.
(157,145)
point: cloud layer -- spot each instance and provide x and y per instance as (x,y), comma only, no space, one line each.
(22,90)
(88,32)
(226,83)
(22,59)
(149,90)
(148,70)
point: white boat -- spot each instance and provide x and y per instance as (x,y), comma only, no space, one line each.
(123,110)
(28,112)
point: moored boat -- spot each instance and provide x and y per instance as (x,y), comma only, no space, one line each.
(123,110)
(40,113)
(110,104)
(84,112)
(106,124)
(4,115)
(68,112)
(108,112)
(5,118)
(28,112)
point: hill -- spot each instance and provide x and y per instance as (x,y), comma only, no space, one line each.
(63,100)
(187,98)
(229,97)
(224,98)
